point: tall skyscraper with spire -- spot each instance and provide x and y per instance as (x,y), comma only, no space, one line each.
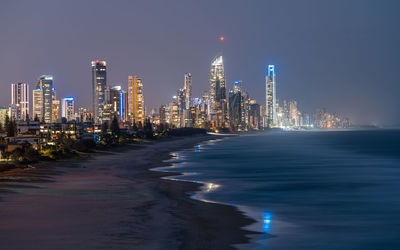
(270,97)
(99,84)
(217,113)
(19,101)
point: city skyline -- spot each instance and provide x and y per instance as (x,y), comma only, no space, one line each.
(300,77)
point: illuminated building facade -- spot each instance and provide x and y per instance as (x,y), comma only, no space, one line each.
(235,106)
(135,100)
(43,99)
(217,112)
(270,96)
(56,117)
(68,108)
(3,115)
(99,84)
(188,99)
(174,119)
(19,101)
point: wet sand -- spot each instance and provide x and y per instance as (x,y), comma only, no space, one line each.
(113,201)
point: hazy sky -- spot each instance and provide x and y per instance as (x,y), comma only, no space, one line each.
(341,55)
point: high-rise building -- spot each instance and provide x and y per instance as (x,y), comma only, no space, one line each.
(56,117)
(135,99)
(3,115)
(187,86)
(217,96)
(99,84)
(123,105)
(235,106)
(68,108)
(19,101)
(43,97)
(116,103)
(270,96)
(174,120)
(83,115)
(162,111)
(37,106)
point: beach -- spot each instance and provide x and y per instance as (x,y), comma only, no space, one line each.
(113,201)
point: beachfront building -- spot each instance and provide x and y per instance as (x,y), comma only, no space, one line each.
(99,84)
(68,108)
(43,96)
(235,106)
(187,86)
(218,106)
(136,110)
(270,97)
(19,107)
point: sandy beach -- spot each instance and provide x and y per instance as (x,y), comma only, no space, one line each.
(113,201)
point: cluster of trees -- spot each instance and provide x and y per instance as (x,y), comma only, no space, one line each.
(9,128)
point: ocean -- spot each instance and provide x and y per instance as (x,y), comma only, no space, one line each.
(306,189)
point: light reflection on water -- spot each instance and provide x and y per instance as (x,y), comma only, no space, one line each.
(308,189)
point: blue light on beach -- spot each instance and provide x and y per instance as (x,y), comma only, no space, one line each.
(267,222)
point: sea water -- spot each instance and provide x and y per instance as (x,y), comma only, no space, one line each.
(306,189)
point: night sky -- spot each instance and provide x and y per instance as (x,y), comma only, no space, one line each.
(340,55)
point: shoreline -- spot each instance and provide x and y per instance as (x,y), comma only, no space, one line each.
(186,223)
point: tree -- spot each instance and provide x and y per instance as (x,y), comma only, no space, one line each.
(10,127)
(36,119)
(104,127)
(148,129)
(1,128)
(115,127)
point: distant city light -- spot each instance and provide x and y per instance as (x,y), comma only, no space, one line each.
(222,38)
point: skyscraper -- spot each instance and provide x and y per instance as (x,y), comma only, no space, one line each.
(43,99)
(235,106)
(37,106)
(99,83)
(187,86)
(19,101)
(68,108)
(56,117)
(270,96)
(135,99)
(217,93)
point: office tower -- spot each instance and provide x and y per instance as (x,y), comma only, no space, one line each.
(270,96)
(19,101)
(56,117)
(235,106)
(135,99)
(68,108)
(99,84)
(217,97)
